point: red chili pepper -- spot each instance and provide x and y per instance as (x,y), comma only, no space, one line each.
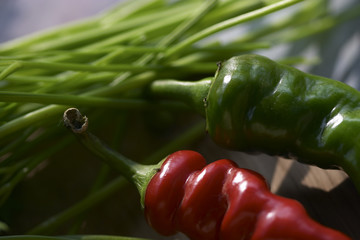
(223,201)
(207,202)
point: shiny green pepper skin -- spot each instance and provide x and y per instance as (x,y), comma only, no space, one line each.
(257,105)
(254,104)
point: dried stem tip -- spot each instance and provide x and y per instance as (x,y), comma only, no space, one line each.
(75,121)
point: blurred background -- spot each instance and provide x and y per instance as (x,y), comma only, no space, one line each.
(328,195)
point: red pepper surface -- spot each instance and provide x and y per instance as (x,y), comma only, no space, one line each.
(223,201)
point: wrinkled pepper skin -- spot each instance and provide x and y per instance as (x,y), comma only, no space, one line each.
(221,201)
(257,105)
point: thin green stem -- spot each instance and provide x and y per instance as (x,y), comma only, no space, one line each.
(128,10)
(168,39)
(243,47)
(230,23)
(38,113)
(98,35)
(116,87)
(79,67)
(186,25)
(306,30)
(76,79)
(103,174)
(35,118)
(193,93)
(138,32)
(74,53)
(174,35)
(13,67)
(32,79)
(131,170)
(125,10)
(307,12)
(226,9)
(88,101)
(7,109)
(24,42)
(48,112)
(317,26)
(182,141)
(48,226)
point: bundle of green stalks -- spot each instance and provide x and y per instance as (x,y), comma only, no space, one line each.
(102,65)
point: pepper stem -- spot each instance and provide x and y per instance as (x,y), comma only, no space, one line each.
(192,93)
(136,173)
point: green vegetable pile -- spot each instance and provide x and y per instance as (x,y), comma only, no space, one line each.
(103,65)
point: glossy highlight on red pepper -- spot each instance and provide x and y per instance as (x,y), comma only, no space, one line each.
(225,202)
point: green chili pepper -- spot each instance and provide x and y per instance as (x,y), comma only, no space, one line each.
(254,104)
